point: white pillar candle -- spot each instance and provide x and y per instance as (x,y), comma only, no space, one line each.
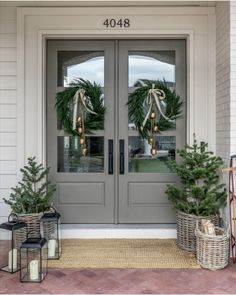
(52,248)
(12,259)
(34,270)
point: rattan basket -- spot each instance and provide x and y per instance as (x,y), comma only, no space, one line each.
(186,226)
(213,252)
(33,227)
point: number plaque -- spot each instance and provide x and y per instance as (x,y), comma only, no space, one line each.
(114,23)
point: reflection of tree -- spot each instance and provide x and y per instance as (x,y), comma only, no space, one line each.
(94,162)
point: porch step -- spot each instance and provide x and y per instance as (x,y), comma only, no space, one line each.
(119,231)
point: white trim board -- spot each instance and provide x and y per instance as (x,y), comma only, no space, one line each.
(70,232)
(118,233)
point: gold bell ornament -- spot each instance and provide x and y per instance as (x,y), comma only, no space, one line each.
(151,140)
(152,115)
(155,128)
(84,151)
(153,151)
(80,130)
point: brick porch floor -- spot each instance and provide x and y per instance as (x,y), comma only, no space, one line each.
(126,281)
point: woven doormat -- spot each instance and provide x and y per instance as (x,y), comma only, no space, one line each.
(123,253)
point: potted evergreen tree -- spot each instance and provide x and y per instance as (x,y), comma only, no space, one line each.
(199,195)
(32,196)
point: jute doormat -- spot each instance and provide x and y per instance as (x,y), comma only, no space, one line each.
(123,253)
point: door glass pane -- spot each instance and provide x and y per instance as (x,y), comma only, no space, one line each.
(152,65)
(70,158)
(141,160)
(88,65)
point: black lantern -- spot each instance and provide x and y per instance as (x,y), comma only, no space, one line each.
(9,250)
(50,225)
(33,260)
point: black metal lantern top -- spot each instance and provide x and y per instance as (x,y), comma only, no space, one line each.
(36,243)
(12,225)
(51,216)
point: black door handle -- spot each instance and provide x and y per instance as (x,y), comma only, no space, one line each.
(110,156)
(122,156)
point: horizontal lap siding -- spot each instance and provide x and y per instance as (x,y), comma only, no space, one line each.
(223,80)
(233,78)
(8,68)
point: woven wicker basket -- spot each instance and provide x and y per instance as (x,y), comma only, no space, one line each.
(33,227)
(213,252)
(186,226)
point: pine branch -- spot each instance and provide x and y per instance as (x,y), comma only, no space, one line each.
(200,192)
(33,194)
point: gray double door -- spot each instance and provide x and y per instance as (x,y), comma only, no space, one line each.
(118,181)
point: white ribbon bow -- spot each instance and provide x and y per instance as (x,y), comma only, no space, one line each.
(154,98)
(80,98)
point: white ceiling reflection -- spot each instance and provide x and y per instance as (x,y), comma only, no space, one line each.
(92,70)
(144,67)
(140,67)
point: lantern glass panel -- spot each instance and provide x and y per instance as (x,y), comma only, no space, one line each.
(9,249)
(34,266)
(51,231)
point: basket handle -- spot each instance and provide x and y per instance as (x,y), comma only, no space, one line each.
(13,214)
(197,227)
(53,208)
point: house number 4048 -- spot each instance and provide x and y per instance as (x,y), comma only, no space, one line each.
(114,23)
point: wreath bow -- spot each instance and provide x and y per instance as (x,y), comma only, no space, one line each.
(154,98)
(80,101)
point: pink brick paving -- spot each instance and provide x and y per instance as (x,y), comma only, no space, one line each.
(126,281)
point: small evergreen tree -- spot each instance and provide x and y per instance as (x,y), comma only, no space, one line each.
(33,193)
(200,192)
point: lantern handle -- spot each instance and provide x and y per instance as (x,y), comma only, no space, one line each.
(13,214)
(32,232)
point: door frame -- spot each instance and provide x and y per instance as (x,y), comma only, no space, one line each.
(33,30)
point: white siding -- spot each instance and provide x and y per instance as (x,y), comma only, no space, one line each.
(223,79)
(7,105)
(233,78)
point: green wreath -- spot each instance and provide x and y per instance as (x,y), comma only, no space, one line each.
(136,106)
(65,102)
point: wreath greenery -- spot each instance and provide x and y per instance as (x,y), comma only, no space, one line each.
(136,106)
(65,102)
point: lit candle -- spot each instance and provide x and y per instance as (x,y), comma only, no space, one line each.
(34,270)
(12,259)
(52,248)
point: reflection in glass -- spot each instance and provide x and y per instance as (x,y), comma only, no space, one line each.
(70,158)
(159,65)
(88,65)
(141,160)
(152,66)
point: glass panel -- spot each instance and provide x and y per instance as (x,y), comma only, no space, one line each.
(141,160)
(152,65)
(88,65)
(70,157)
